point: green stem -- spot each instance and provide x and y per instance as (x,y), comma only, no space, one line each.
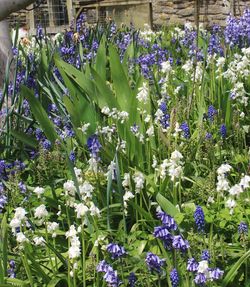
(83,258)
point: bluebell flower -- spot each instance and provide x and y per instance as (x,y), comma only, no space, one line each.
(192,265)
(243,228)
(39,32)
(22,187)
(180,243)
(166,219)
(216,273)
(94,146)
(205,255)
(200,279)
(174,278)
(199,219)
(223,131)
(111,278)
(154,263)
(208,136)
(115,250)
(3,197)
(102,266)
(11,270)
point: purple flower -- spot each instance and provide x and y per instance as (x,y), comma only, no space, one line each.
(192,265)
(115,250)
(102,266)
(185,129)
(216,273)
(94,146)
(3,198)
(46,144)
(223,131)
(72,156)
(205,255)
(166,220)
(111,278)
(211,113)
(242,228)
(199,219)
(22,187)
(174,278)
(200,279)
(180,243)
(11,270)
(162,233)
(154,262)
(132,279)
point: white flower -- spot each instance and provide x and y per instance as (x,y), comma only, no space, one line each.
(150,131)
(71,232)
(39,191)
(69,187)
(220,62)
(41,212)
(143,93)
(105,110)
(84,128)
(166,67)
(21,238)
(15,223)
(139,181)
(128,195)
(176,155)
(177,129)
(230,203)
(175,172)
(74,252)
(94,210)
(20,213)
(81,210)
(222,183)
(86,190)
(244,182)
(52,227)
(236,189)
(126,181)
(39,241)
(203,266)
(224,168)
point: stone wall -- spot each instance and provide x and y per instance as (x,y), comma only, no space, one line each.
(211,11)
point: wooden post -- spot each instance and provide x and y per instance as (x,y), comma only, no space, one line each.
(30,18)
(70,11)
(51,13)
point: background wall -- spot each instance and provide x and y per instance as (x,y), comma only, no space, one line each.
(211,11)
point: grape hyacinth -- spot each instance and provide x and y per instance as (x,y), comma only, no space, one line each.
(174,278)
(185,129)
(223,131)
(199,218)
(242,228)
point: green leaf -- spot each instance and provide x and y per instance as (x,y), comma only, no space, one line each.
(101,59)
(56,280)
(234,270)
(167,206)
(30,141)
(4,244)
(40,114)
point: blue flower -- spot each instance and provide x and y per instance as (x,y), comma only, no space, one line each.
(166,219)
(154,262)
(199,218)
(180,243)
(22,187)
(216,273)
(223,131)
(200,279)
(72,156)
(102,266)
(211,113)
(205,255)
(115,250)
(46,144)
(132,279)
(185,129)
(242,228)
(94,145)
(192,265)
(174,278)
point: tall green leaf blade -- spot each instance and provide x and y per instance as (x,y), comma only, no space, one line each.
(40,114)
(30,141)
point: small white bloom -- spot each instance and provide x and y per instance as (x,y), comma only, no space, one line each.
(139,181)
(224,168)
(39,191)
(81,210)
(150,131)
(230,203)
(71,232)
(39,241)
(74,252)
(176,155)
(244,182)
(84,128)
(20,213)
(41,212)
(94,210)
(21,238)
(166,67)
(235,190)
(126,181)
(143,93)
(203,266)
(69,187)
